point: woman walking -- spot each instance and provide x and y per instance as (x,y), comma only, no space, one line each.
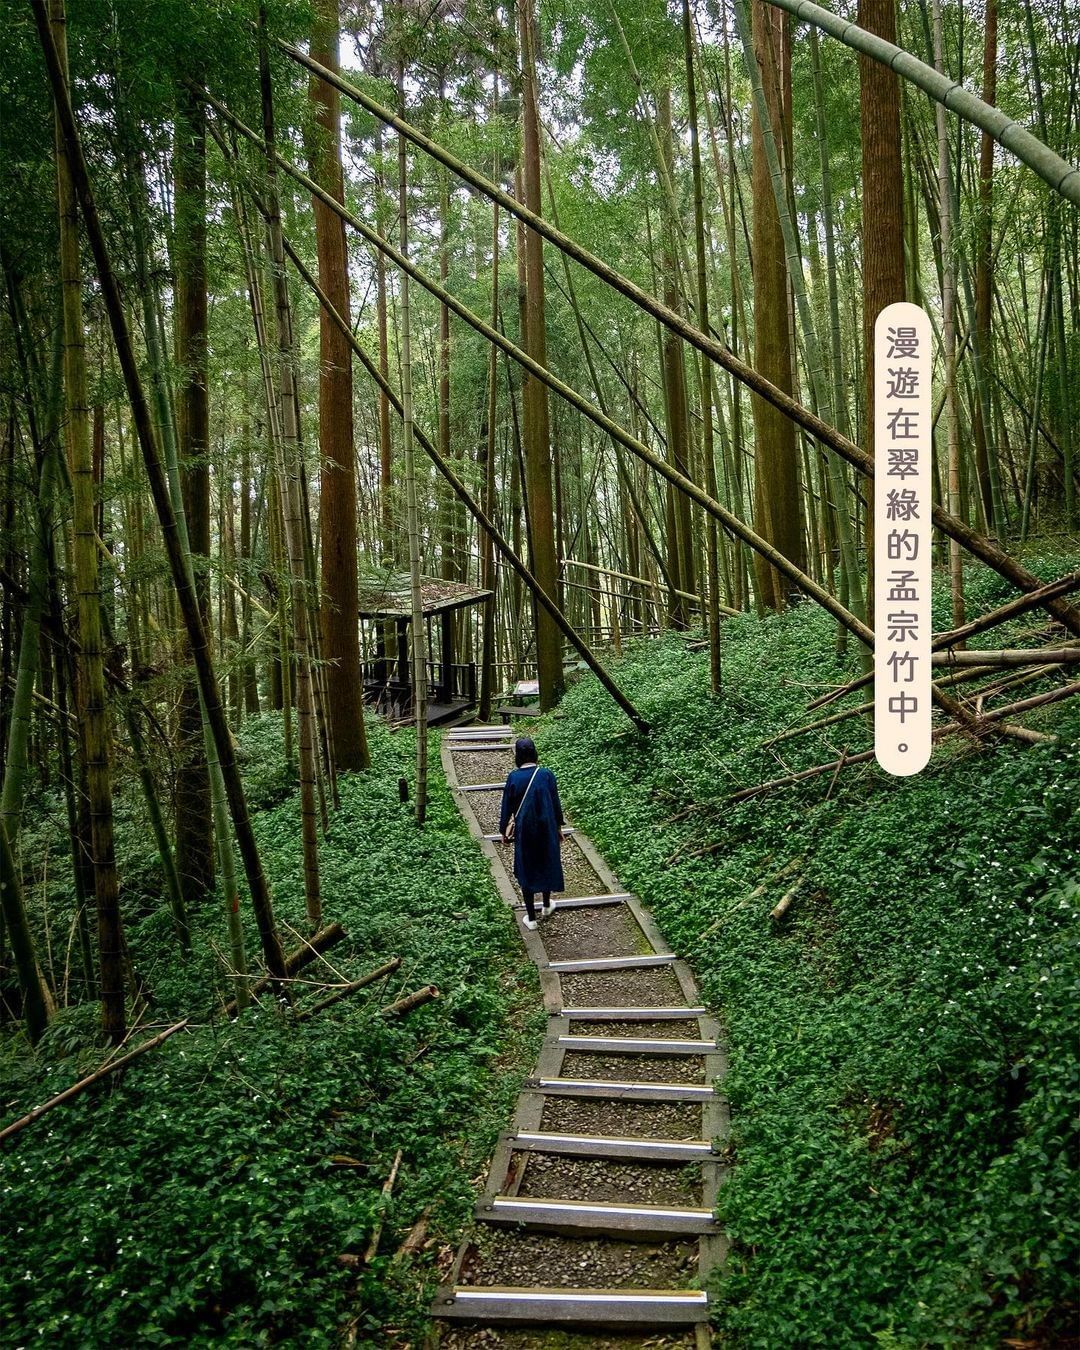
(532,817)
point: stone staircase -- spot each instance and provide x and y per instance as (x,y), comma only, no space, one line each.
(598,1209)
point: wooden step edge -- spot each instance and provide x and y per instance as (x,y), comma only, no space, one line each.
(515,1303)
(632,1014)
(612,1146)
(589,901)
(594,1215)
(502,746)
(642,1092)
(634,1045)
(480,787)
(612,963)
(495,838)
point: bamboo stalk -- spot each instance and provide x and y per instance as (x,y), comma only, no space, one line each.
(73,154)
(975,543)
(361,983)
(80,1087)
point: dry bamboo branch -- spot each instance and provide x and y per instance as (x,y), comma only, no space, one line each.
(376,1232)
(297,960)
(361,983)
(414,1238)
(1017,656)
(410,1001)
(784,904)
(78,1088)
(973,724)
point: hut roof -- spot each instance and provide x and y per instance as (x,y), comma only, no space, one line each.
(387,596)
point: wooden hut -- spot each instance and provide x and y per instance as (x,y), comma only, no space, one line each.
(385,616)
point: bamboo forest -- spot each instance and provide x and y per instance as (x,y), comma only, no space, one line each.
(539,671)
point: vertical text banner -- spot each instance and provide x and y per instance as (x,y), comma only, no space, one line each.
(903,499)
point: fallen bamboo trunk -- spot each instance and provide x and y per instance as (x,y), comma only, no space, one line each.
(784,904)
(296,960)
(1017,656)
(975,723)
(414,1238)
(361,983)
(376,1232)
(991,619)
(80,1087)
(410,1001)
(951,680)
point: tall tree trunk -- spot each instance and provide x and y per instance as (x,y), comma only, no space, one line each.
(194,829)
(488,575)
(948,330)
(984,249)
(417,626)
(337,501)
(675,399)
(93,712)
(882,213)
(777,502)
(287,444)
(534,393)
(705,367)
(386,515)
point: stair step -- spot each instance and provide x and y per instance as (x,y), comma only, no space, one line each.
(610,1146)
(632,1045)
(568,830)
(470,746)
(613,963)
(592,1216)
(590,901)
(631,1014)
(481,787)
(501,1303)
(480,733)
(634,1092)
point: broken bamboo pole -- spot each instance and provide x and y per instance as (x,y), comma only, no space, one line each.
(991,619)
(406,1004)
(975,724)
(295,961)
(80,1087)
(346,990)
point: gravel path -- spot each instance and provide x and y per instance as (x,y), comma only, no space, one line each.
(485,806)
(518,1256)
(482,766)
(554,1338)
(582,934)
(551,1176)
(618,1119)
(634,1068)
(687,1030)
(523,1258)
(645,988)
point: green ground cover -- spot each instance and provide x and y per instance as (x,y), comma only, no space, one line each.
(903,1052)
(204,1201)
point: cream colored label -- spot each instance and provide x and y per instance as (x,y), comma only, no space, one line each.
(903,499)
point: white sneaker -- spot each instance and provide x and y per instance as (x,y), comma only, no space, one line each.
(548,909)
(530,924)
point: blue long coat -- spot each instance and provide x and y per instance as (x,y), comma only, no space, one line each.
(537,846)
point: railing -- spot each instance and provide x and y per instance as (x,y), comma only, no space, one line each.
(384,687)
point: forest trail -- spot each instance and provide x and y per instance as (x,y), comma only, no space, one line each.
(597,1213)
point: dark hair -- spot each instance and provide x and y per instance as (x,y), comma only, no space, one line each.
(524,751)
